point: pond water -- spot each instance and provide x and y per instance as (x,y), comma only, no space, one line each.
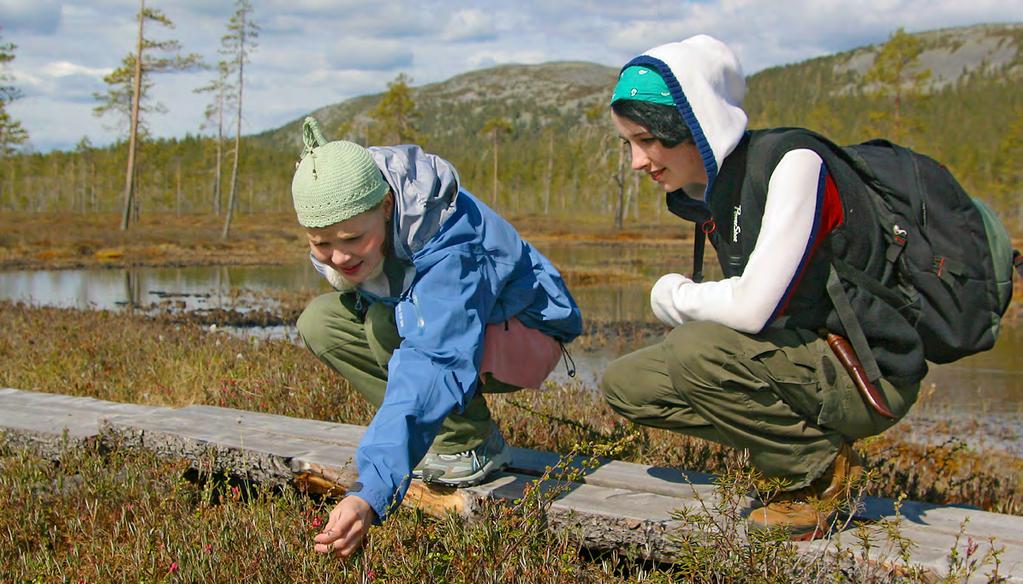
(990,384)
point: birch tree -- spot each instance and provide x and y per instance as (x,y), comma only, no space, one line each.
(128,89)
(495,127)
(549,175)
(239,41)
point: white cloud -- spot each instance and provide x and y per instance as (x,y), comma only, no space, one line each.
(764,33)
(65,68)
(367,54)
(313,53)
(470,25)
(491,58)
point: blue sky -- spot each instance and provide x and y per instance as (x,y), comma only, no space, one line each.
(316,52)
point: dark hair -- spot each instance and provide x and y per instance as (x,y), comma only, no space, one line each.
(663,121)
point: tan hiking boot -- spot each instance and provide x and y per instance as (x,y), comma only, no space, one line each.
(807,513)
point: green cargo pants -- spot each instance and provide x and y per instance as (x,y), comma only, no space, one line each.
(358,345)
(781,394)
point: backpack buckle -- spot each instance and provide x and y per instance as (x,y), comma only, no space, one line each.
(900,235)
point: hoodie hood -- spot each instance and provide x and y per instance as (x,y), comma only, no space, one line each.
(707,85)
(424,186)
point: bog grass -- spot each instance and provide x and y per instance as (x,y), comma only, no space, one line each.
(116,516)
(134,358)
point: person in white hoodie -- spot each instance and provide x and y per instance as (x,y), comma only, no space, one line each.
(747,363)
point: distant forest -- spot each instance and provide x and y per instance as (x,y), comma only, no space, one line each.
(530,157)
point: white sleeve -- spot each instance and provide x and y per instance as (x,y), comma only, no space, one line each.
(747,302)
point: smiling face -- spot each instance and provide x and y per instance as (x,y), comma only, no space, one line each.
(678,167)
(354,247)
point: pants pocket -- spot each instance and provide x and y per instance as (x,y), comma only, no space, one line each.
(792,374)
(845,410)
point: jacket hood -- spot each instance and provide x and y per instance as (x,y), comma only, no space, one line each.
(707,85)
(424,187)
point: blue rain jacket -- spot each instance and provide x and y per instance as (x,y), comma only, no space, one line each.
(470,269)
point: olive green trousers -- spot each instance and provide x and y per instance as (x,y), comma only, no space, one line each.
(358,345)
(780,394)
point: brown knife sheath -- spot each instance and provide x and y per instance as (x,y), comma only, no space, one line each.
(868,391)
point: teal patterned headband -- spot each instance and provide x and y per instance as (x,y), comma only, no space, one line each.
(642,84)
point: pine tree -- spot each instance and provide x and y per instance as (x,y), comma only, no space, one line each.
(239,41)
(128,87)
(220,88)
(892,76)
(396,114)
(12,135)
(1008,172)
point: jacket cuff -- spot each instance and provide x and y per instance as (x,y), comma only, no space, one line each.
(662,299)
(380,505)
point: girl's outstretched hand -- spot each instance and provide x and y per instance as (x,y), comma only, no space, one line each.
(346,528)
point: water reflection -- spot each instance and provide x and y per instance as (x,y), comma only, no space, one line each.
(188,288)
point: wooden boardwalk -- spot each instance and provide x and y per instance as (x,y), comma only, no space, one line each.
(615,505)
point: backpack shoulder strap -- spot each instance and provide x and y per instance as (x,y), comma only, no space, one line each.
(681,205)
(853,330)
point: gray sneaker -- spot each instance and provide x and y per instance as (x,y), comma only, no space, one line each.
(468,468)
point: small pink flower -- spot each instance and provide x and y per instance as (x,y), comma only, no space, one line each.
(173,568)
(317,522)
(235,491)
(208,548)
(371,574)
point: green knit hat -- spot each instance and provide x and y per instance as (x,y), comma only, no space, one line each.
(334,181)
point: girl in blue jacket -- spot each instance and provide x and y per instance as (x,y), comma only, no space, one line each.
(437,300)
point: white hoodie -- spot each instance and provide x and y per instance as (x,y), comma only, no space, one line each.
(707,83)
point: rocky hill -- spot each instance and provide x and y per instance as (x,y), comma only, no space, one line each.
(530,96)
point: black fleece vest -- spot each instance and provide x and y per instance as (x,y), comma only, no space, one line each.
(736,203)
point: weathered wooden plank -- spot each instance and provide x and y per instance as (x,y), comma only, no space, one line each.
(621,505)
(617,474)
(228,447)
(609,473)
(334,432)
(945,518)
(602,518)
(48,423)
(930,550)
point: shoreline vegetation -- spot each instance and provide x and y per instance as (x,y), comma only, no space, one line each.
(51,241)
(59,241)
